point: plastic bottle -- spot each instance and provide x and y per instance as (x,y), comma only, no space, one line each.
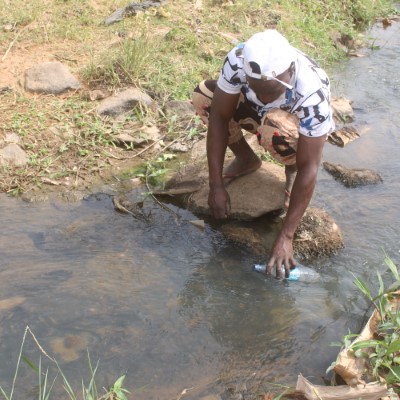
(299,273)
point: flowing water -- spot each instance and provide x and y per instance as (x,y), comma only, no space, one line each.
(177,307)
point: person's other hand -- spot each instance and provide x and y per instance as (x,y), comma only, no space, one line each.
(281,255)
(219,202)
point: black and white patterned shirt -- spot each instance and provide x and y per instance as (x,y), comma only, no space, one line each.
(309,99)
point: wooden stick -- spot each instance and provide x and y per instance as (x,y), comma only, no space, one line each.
(12,43)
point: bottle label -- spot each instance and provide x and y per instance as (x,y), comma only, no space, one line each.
(299,272)
(293,276)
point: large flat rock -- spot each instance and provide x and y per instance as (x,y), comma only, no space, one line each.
(252,195)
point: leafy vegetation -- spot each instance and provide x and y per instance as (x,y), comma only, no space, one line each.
(381,352)
(154,170)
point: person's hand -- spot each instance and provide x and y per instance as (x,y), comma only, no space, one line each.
(281,255)
(219,202)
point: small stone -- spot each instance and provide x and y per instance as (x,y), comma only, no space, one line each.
(123,102)
(343,136)
(94,95)
(8,27)
(125,138)
(12,138)
(12,154)
(179,148)
(11,302)
(199,223)
(51,78)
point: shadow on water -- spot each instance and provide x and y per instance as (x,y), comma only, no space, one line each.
(177,307)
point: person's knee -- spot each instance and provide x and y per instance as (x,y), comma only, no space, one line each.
(282,147)
(211,85)
(205,88)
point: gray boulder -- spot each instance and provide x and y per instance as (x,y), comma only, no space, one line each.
(123,102)
(50,78)
(12,154)
(352,177)
(252,195)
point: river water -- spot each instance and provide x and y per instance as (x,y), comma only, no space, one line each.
(176,307)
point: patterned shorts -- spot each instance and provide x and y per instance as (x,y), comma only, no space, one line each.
(277,131)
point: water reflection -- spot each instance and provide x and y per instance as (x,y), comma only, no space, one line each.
(177,307)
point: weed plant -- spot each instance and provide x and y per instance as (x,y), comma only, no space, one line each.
(153,171)
(382,352)
(51,379)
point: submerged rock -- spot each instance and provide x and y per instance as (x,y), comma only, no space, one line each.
(246,237)
(352,177)
(70,347)
(11,302)
(126,206)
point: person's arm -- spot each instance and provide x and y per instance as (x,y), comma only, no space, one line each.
(309,152)
(223,107)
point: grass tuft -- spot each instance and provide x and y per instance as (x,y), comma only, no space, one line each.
(47,386)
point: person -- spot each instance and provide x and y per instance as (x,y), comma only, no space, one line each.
(269,88)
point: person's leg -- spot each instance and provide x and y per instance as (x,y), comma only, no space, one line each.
(290,172)
(245,160)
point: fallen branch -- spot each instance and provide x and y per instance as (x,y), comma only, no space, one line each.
(156,200)
(12,43)
(170,144)
(150,146)
(138,153)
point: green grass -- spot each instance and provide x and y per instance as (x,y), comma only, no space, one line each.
(186,50)
(126,64)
